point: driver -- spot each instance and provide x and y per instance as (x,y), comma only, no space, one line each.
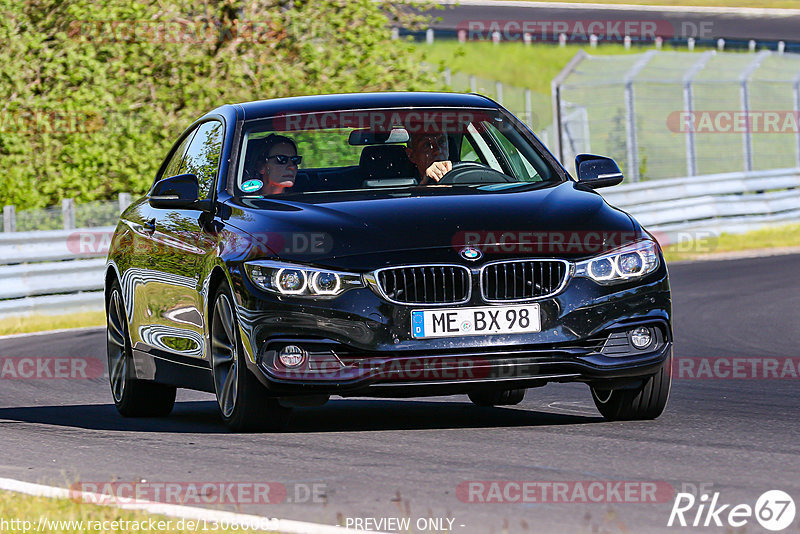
(277,164)
(430,154)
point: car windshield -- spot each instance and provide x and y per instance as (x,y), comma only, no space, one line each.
(308,153)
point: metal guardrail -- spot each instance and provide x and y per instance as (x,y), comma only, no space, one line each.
(52,272)
(733,202)
(62,271)
(54,245)
(27,280)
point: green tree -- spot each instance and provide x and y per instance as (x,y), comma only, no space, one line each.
(95,93)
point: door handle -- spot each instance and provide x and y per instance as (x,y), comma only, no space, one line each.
(149,226)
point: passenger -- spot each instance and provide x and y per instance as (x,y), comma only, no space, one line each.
(430,154)
(277,163)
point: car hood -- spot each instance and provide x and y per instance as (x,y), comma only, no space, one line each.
(434,224)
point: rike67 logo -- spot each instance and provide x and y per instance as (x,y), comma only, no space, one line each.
(774,510)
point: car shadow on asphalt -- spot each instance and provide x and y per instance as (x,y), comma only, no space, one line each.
(338,415)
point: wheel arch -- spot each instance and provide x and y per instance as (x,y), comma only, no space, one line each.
(111,275)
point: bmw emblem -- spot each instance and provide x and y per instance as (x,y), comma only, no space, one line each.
(471,253)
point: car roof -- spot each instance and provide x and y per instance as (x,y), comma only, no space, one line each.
(309,104)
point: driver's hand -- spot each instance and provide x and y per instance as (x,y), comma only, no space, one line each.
(437,169)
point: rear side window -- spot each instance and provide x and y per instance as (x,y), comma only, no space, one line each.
(202,156)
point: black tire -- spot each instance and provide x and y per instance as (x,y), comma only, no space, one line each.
(132,397)
(507,397)
(645,402)
(242,400)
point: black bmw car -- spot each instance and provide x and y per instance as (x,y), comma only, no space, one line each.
(380,245)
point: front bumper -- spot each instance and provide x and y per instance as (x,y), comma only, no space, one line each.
(362,345)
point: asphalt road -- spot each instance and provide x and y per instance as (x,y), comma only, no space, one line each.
(674,22)
(405,458)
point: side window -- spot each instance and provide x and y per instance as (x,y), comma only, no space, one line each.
(202,157)
(174,165)
(468,152)
(520,165)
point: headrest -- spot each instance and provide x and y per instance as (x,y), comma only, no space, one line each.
(386,161)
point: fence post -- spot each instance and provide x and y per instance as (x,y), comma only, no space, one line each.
(529,109)
(9,219)
(688,105)
(68,213)
(473,83)
(796,105)
(124,201)
(498,89)
(555,96)
(632,144)
(744,95)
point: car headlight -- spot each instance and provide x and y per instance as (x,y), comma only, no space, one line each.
(630,261)
(299,280)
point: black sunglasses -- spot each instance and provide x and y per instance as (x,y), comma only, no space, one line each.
(283,159)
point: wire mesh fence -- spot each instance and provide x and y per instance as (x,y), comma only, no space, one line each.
(666,114)
(39,219)
(531,107)
(67,216)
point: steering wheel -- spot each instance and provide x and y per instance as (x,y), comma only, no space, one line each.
(472,172)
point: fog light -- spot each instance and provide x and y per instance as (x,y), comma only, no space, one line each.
(641,337)
(292,356)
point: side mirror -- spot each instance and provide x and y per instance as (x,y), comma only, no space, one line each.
(178,192)
(597,171)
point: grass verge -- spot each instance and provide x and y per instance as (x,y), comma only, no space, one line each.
(65,516)
(39,323)
(765,238)
(532,67)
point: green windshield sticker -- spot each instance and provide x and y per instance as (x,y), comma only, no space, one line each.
(252,185)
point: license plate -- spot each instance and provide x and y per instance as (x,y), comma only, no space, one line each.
(485,320)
